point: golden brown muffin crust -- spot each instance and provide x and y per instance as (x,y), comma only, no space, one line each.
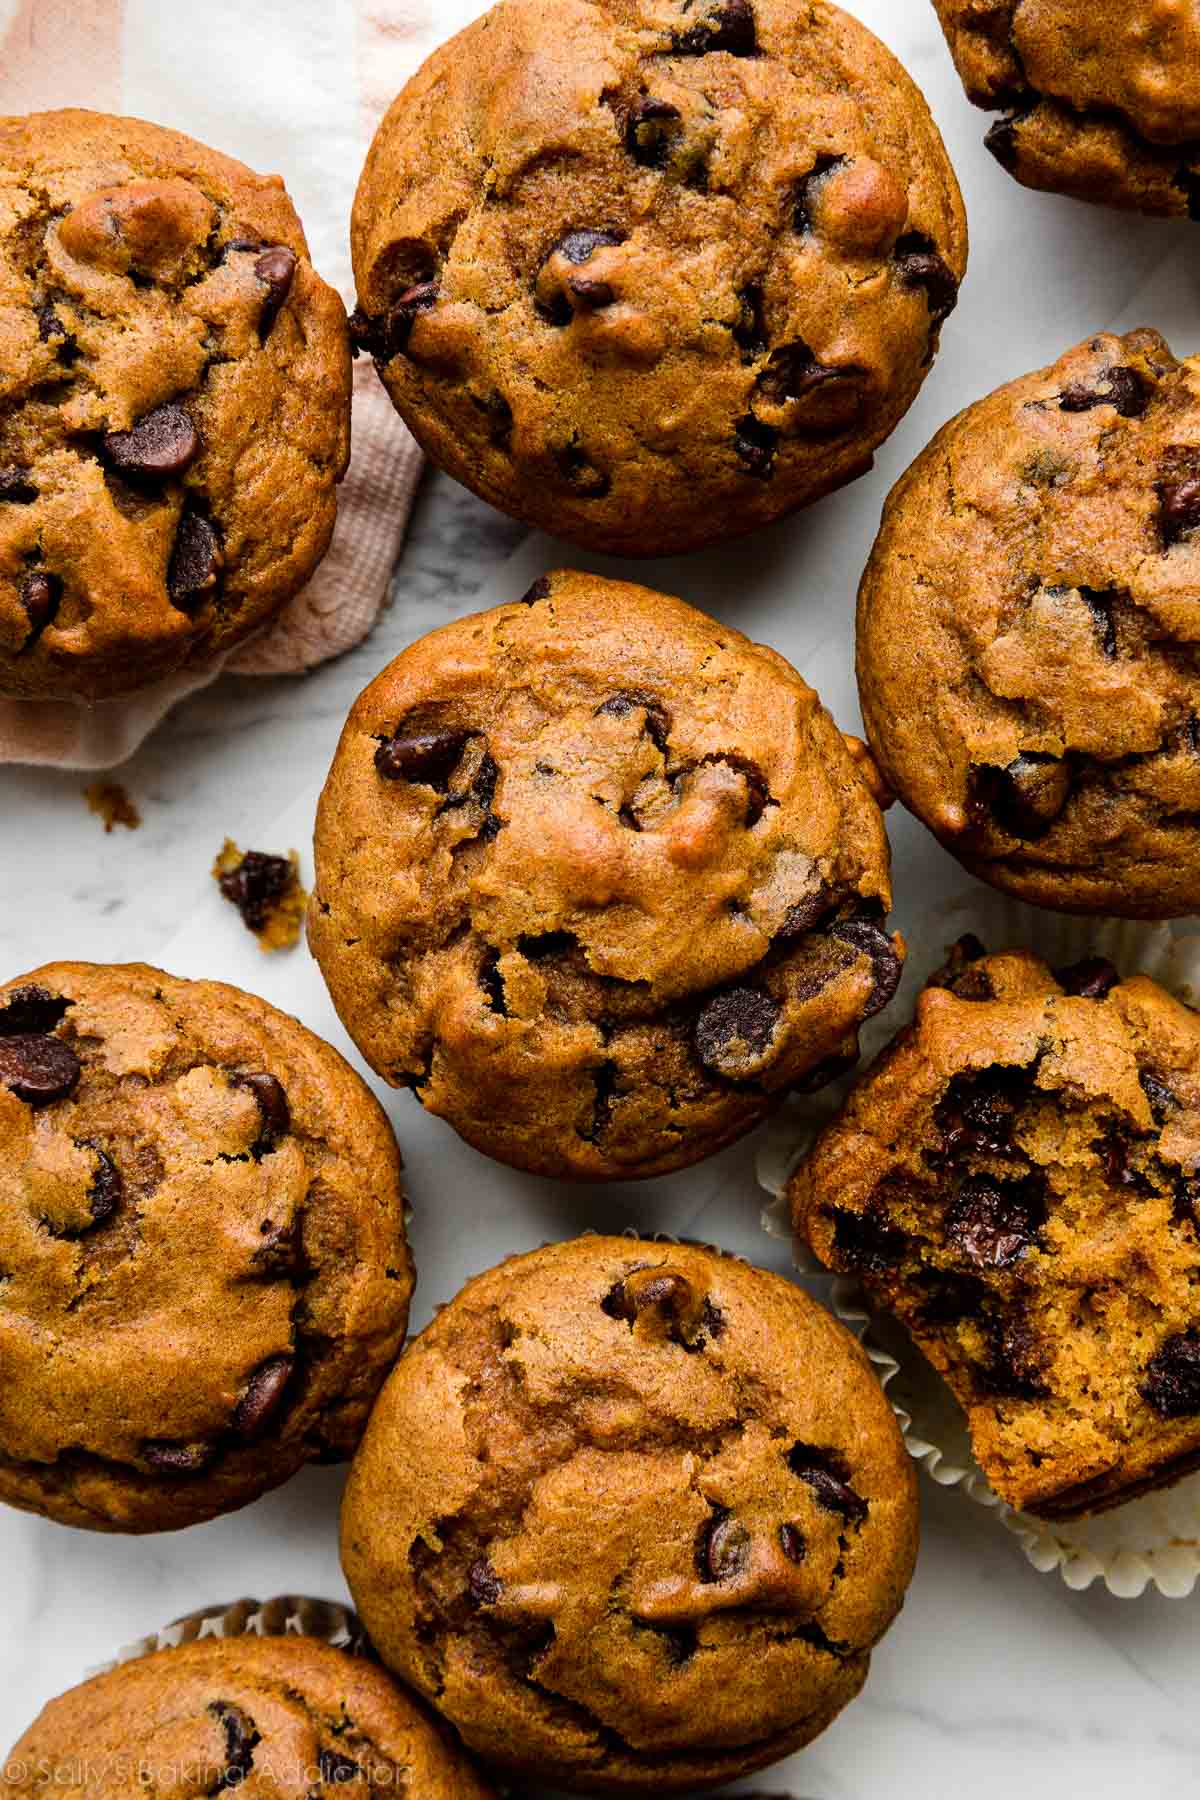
(1027,633)
(600,880)
(651,274)
(203,1269)
(633,1514)
(288,1718)
(1103,96)
(1018,1180)
(174,403)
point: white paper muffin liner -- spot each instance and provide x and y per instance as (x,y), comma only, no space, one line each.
(288,1615)
(1153,1540)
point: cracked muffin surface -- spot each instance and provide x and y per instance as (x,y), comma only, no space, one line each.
(1028,631)
(289,1718)
(1101,97)
(1017,1179)
(204,1275)
(174,404)
(600,880)
(652,273)
(632,1514)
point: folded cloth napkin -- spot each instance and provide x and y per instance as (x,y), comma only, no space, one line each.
(288,86)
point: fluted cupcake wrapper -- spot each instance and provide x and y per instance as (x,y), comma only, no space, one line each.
(1151,1541)
(287,1615)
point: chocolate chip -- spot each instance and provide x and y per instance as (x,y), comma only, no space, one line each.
(649,1290)
(872,940)
(828,1475)
(178,1459)
(162,443)
(1100,605)
(867,1242)
(729,25)
(750,326)
(648,131)
(492,983)
(263,1398)
(735,1027)
(592,295)
(1172,1384)
(630,700)
(959,974)
(806,915)
(1027,796)
(809,188)
(712,1318)
(335,1769)
(41,595)
(107,1187)
(1091,979)
(275,268)
(1123,389)
(1001,140)
(758,794)
(426,757)
(15,489)
(792,1543)
(919,266)
(366,335)
(793,373)
(38,1068)
(539,591)
(1115,1150)
(31,1008)
(241,1740)
(722,1548)
(979,1108)
(1163,1100)
(255,885)
(483,783)
(483,1583)
(195,561)
(1179,509)
(50,326)
(756,444)
(272,1102)
(581,473)
(952,1297)
(1015,1361)
(398,327)
(995,1223)
(580,246)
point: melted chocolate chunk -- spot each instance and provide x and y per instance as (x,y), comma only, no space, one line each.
(31,1008)
(1163,1100)
(728,25)
(255,885)
(870,939)
(162,443)
(827,1474)
(806,915)
(107,1187)
(722,1548)
(793,1544)
(1026,797)
(809,188)
(179,1459)
(275,268)
(1015,1361)
(631,700)
(426,757)
(483,1583)
(37,1068)
(539,591)
(733,1026)
(273,1106)
(867,1242)
(241,1741)
(1122,388)
(979,1109)
(263,1400)
(1092,979)
(1179,509)
(919,266)
(40,593)
(195,561)
(649,131)
(1172,1384)
(756,444)
(994,1223)
(750,327)
(1100,605)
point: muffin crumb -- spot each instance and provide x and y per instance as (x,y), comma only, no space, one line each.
(110,802)
(267,892)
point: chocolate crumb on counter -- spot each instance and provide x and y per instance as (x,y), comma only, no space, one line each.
(266,890)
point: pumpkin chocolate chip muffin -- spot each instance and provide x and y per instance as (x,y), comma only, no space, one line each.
(652,273)
(204,1276)
(633,1515)
(1027,633)
(174,404)
(290,1718)
(1101,97)
(1018,1180)
(600,880)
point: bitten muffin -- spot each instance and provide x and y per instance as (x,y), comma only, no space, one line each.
(600,880)
(1027,629)
(205,1273)
(652,273)
(634,1514)
(289,1718)
(1018,1180)
(1101,97)
(174,404)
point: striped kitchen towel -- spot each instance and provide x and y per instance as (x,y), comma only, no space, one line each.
(293,87)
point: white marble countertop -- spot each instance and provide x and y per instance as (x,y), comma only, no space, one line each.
(996,1680)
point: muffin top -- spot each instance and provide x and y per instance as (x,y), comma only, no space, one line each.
(599,879)
(651,273)
(288,1717)
(1017,1179)
(1105,94)
(174,403)
(634,1512)
(205,1274)
(1027,633)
